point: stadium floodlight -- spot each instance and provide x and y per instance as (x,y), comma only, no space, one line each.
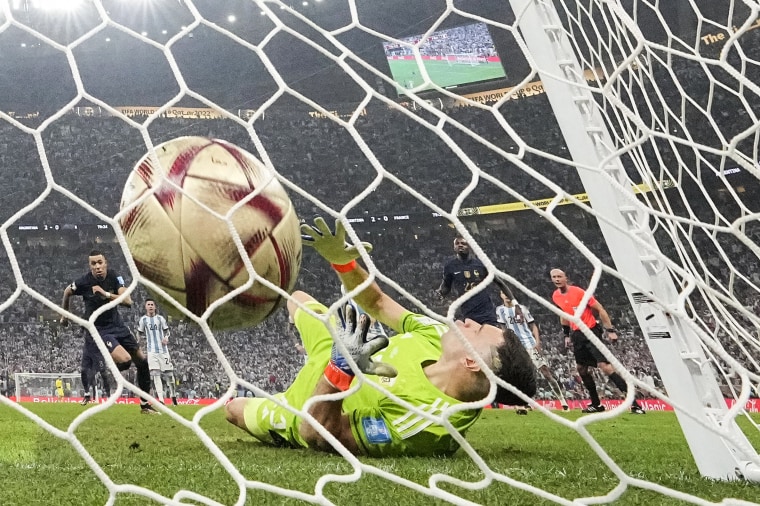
(231,18)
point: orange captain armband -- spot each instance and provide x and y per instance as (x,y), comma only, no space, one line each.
(344,268)
(337,377)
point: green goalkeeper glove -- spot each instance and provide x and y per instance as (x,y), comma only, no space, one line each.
(332,247)
(338,371)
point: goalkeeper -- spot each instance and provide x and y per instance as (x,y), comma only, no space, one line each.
(426,366)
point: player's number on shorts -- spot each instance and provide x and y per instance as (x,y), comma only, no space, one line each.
(166,359)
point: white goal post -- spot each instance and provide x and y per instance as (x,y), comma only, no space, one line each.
(41,387)
(720,449)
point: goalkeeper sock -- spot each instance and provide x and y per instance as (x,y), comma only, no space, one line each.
(590,384)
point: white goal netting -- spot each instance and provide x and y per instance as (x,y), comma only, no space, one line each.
(617,140)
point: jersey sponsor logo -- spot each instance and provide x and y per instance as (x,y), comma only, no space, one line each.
(376,430)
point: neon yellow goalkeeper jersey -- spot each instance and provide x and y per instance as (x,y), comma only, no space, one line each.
(380,425)
(383,427)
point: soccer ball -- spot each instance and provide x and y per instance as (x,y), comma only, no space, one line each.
(188,251)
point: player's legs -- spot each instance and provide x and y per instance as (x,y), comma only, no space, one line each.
(88,372)
(541,365)
(170,382)
(154,366)
(129,344)
(620,383)
(265,419)
(105,381)
(553,384)
(314,335)
(585,357)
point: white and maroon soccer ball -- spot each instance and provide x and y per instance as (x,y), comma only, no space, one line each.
(190,252)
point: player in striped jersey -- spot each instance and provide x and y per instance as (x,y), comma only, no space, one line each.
(426,368)
(517,317)
(154,329)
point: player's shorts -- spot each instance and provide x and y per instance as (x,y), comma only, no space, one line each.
(586,353)
(118,335)
(272,423)
(160,362)
(538,358)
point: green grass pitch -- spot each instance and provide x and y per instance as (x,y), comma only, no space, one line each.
(443,74)
(159,453)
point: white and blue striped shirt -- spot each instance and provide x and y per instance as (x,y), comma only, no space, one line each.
(506,315)
(155,330)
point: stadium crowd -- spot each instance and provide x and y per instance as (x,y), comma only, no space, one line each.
(92,156)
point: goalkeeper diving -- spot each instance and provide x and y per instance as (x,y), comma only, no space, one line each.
(426,365)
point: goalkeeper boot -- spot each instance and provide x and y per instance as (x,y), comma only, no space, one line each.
(637,410)
(593,409)
(521,411)
(85,400)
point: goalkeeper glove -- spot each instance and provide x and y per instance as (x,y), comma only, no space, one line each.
(354,337)
(331,246)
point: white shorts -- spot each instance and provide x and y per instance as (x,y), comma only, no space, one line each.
(160,362)
(538,359)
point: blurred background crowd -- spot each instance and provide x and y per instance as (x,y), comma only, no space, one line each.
(90,156)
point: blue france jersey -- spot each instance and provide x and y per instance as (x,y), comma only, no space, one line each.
(112,282)
(506,316)
(463,276)
(155,330)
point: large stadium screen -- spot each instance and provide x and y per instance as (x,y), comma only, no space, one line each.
(452,57)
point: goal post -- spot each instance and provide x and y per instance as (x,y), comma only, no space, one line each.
(42,385)
(720,449)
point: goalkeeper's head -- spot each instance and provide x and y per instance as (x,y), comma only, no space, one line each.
(513,364)
(502,352)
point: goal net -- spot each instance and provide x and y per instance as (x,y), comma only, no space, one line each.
(619,142)
(44,387)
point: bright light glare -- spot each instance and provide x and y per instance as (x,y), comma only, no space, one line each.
(231,18)
(304,3)
(57,5)
(164,32)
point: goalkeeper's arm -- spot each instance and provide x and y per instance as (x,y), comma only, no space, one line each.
(372,299)
(330,415)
